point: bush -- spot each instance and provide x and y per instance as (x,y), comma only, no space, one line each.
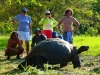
(7,27)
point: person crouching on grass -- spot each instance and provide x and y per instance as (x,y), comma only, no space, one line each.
(14,46)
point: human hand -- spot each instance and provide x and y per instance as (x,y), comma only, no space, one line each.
(73,31)
(61,31)
(50,16)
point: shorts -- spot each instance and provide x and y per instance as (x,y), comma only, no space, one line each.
(67,36)
(47,33)
(23,35)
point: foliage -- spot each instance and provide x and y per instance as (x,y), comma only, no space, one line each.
(92,31)
(85,11)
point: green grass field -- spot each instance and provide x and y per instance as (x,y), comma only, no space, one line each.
(92,42)
(90,60)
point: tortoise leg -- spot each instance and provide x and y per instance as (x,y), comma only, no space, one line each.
(76,61)
(22,65)
(26,63)
(63,64)
(39,60)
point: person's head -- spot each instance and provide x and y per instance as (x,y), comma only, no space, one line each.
(24,11)
(54,34)
(37,31)
(47,13)
(14,35)
(68,12)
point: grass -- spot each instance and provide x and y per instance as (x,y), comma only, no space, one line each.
(92,42)
(90,60)
(3,42)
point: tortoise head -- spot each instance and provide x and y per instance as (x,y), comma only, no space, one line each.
(82,49)
(76,61)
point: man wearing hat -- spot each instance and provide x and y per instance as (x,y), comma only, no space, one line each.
(48,23)
(38,37)
(23,22)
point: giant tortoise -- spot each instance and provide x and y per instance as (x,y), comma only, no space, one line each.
(53,51)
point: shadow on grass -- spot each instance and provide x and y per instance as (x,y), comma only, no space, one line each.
(96,70)
(12,61)
(13,72)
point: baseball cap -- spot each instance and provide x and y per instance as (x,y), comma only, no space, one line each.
(54,34)
(47,11)
(24,10)
(37,29)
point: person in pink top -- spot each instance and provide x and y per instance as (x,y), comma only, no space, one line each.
(48,23)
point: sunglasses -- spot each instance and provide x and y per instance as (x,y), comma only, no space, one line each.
(47,14)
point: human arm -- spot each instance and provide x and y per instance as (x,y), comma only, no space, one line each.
(33,42)
(76,23)
(30,26)
(9,46)
(19,42)
(43,37)
(14,20)
(41,21)
(59,23)
(54,22)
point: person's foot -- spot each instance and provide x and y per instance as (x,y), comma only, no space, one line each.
(18,57)
(8,57)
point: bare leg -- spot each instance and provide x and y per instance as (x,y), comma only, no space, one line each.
(22,45)
(27,47)
(64,64)
(20,51)
(40,62)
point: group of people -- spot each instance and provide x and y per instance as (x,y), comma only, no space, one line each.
(24,30)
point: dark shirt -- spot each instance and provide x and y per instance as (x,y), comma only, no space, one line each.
(36,40)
